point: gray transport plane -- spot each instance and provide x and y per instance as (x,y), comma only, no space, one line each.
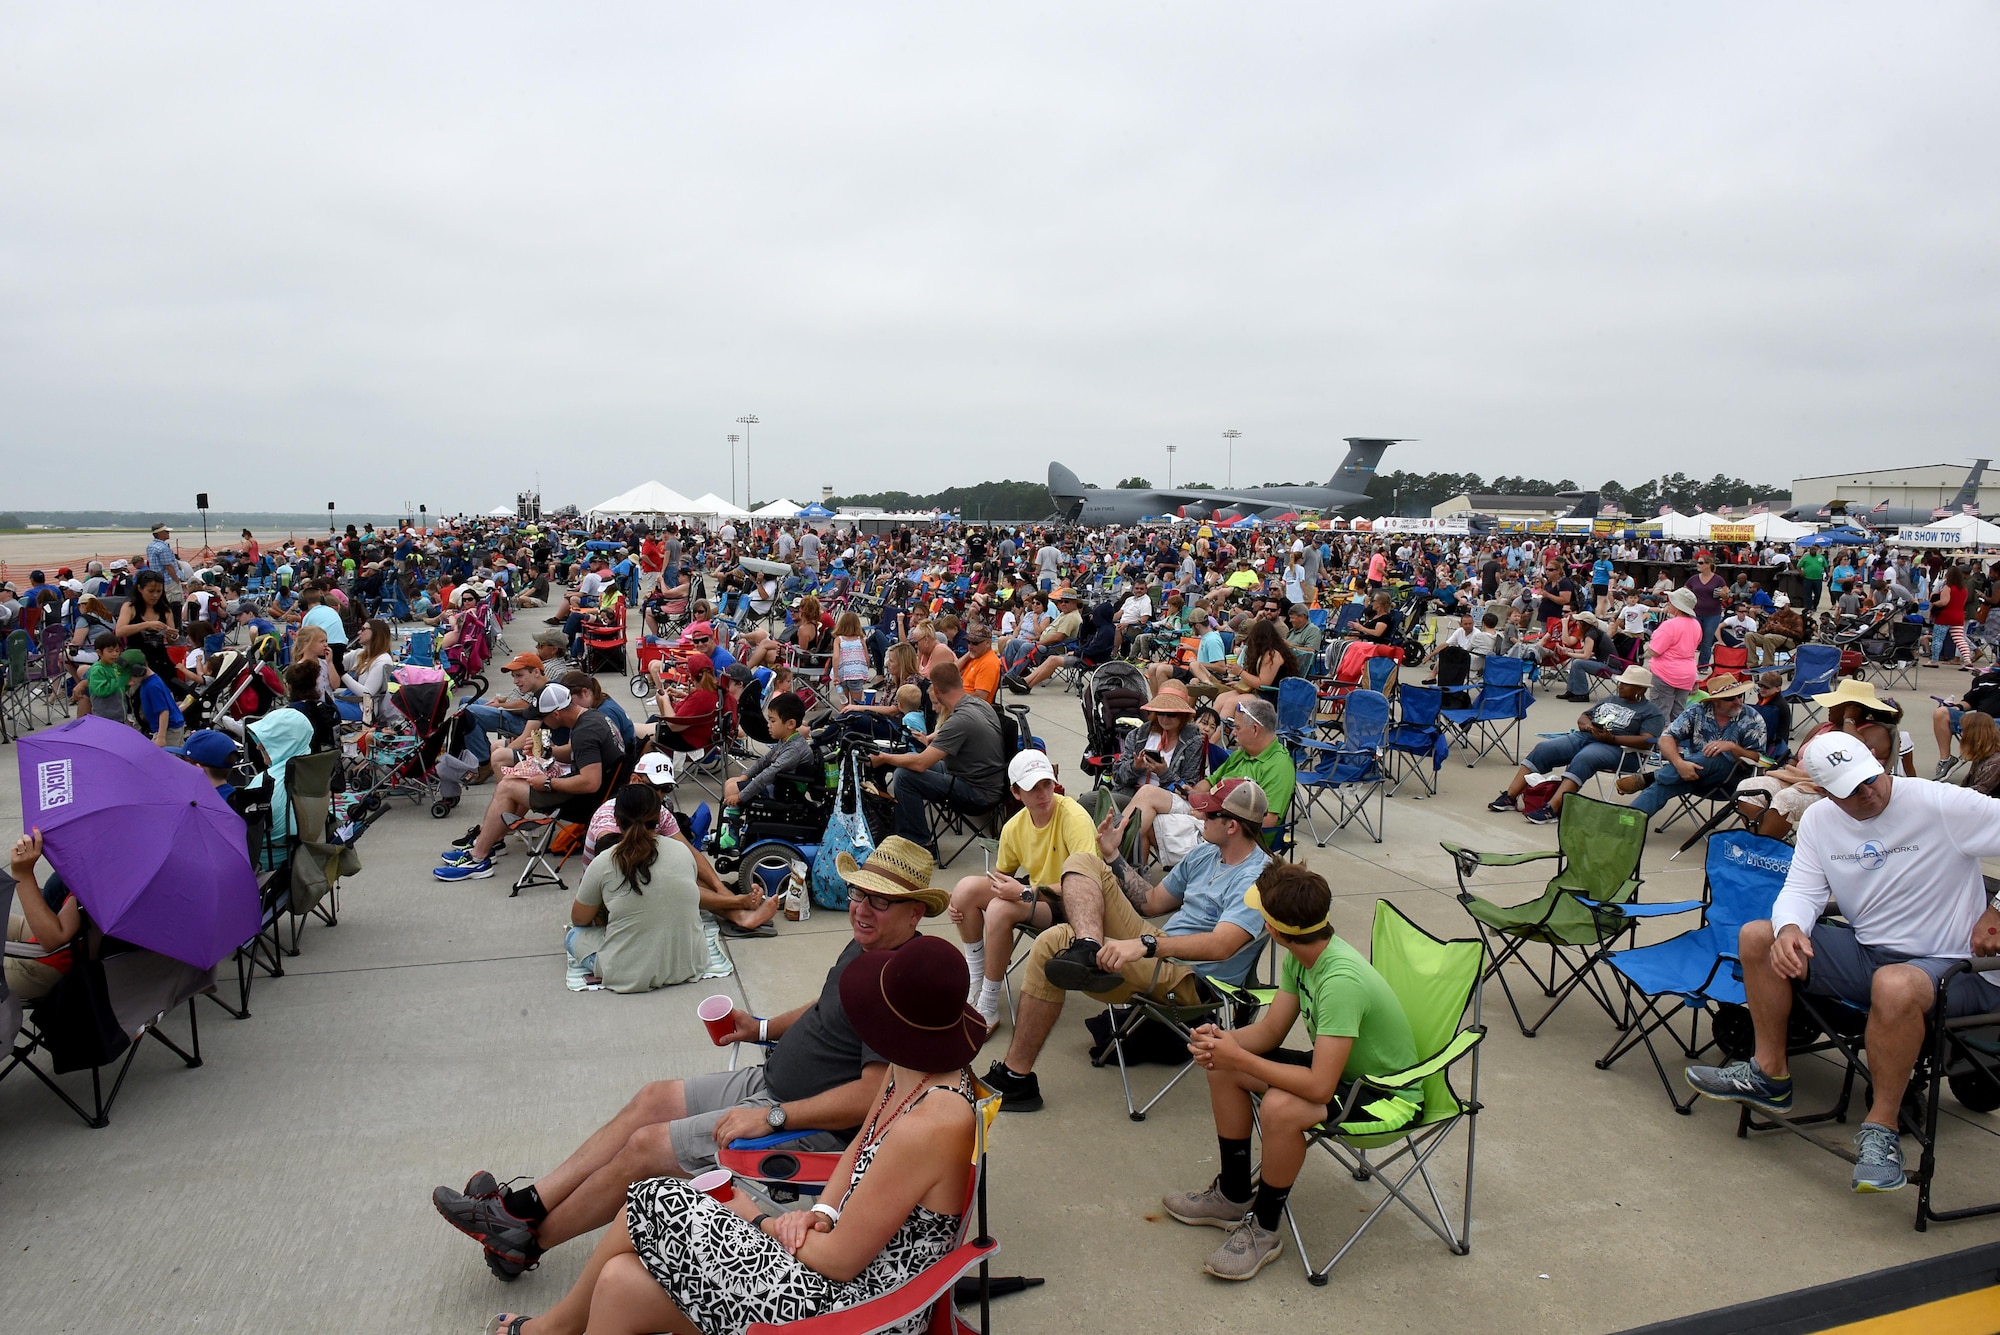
(1895,516)
(1078,504)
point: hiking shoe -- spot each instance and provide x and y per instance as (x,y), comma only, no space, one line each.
(1741,1082)
(1878,1164)
(1246,1251)
(1544,815)
(1075,970)
(464,871)
(509,1240)
(1018,685)
(1207,1208)
(1018,1093)
(1504,802)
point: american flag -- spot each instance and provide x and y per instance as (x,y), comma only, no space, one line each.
(1825,512)
(1969,508)
(1759,508)
(1724,509)
(1942,512)
(1608,510)
(1880,506)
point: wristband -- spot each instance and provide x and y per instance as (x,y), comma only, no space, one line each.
(832,1213)
(763,1031)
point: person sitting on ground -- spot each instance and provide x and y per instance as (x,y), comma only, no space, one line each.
(1168,821)
(790,757)
(964,761)
(1036,843)
(1982,696)
(36,922)
(818,1075)
(1605,738)
(588,759)
(892,1208)
(1702,747)
(1357,1028)
(636,922)
(1915,904)
(1104,949)
(1166,753)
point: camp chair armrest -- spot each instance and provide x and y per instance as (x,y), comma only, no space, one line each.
(784,1137)
(1397,1081)
(897,1305)
(1473,858)
(1641,910)
(1263,996)
(1977,964)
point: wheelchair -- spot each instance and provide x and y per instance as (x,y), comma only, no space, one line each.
(760,844)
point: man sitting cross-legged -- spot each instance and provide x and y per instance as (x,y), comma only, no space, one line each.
(1104,950)
(818,1074)
(1357,1028)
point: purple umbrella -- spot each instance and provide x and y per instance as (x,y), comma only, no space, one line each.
(142,839)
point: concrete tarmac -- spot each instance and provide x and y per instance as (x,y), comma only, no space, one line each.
(284,1185)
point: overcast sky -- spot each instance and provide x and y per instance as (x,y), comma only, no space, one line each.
(375,254)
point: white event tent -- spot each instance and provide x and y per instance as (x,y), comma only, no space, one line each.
(651,498)
(712,504)
(1957,531)
(1767,526)
(778,509)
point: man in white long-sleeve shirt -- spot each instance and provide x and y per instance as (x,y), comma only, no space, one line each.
(1900,856)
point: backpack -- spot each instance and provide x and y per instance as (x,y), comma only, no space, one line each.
(1538,795)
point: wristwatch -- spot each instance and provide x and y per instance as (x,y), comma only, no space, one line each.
(1150,942)
(775,1119)
(549,784)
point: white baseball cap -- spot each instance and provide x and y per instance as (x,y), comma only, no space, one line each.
(1839,763)
(554,696)
(1029,768)
(656,768)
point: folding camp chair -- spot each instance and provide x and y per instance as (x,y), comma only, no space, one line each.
(1691,973)
(1416,746)
(1437,982)
(1224,999)
(1962,1054)
(539,828)
(1709,806)
(318,861)
(270,856)
(1814,668)
(1348,773)
(1493,721)
(1587,906)
(1297,699)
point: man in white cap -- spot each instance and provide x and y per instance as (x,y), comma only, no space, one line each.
(1901,857)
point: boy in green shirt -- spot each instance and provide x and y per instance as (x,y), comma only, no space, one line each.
(1358,1029)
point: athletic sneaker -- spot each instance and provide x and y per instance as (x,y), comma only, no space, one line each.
(509,1240)
(1246,1251)
(1878,1163)
(1018,1093)
(1206,1208)
(1075,970)
(464,871)
(1504,802)
(1944,767)
(1544,815)
(467,839)
(1741,1082)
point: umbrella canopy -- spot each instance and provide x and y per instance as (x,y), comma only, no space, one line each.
(1837,537)
(501,512)
(778,509)
(143,841)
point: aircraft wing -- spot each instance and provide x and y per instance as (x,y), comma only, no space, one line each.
(1221,499)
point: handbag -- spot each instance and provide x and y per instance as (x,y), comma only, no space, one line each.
(846,832)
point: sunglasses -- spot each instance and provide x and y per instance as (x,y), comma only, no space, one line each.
(1215,815)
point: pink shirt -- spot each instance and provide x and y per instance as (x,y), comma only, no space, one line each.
(1671,650)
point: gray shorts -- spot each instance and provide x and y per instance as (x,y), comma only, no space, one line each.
(708,1097)
(1842,967)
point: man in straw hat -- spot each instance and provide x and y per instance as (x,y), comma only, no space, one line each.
(1104,948)
(1357,1028)
(818,1074)
(1901,857)
(1702,746)
(1603,735)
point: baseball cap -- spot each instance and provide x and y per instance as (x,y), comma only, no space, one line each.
(700,630)
(739,672)
(521,661)
(1238,797)
(657,768)
(1029,768)
(207,747)
(554,696)
(700,663)
(1839,763)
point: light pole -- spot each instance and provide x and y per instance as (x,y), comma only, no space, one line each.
(1229,478)
(733,438)
(1170,466)
(748,420)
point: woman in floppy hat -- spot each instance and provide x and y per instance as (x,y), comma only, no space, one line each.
(1167,751)
(677,1260)
(1671,651)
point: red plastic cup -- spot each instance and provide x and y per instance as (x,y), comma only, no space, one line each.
(716,1184)
(714,1012)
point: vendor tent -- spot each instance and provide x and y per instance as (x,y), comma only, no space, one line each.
(1674,524)
(711,504)
(651,498)
(501,512)
(815,511)
(778,509)
(1766,527)
(1957,531)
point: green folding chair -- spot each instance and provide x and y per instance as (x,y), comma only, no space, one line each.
(1416,1109)
(1584,911)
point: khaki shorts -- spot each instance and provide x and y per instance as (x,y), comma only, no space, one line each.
(1156,977)
(709,1096)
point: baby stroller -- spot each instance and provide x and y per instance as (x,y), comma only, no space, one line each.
(464,658)
(1112,698)
(403,761)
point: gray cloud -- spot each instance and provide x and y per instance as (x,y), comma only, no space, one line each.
(392,255)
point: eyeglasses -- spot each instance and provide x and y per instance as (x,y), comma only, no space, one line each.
(880,903)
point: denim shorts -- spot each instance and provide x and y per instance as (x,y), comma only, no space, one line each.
(1842,967)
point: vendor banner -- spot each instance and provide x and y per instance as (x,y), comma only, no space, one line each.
(1929,537)
(1732,533)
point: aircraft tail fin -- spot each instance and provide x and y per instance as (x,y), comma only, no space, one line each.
(1968,495)
(1064,484)
(1586,505)
(1357,470)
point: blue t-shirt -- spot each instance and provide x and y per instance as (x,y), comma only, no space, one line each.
(1600,573)
(154,697)
(327,620)
(1210,649)
(722,658)
(620,720)
(1211,893)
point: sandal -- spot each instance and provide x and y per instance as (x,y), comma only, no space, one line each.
(507,1324)
(729,928)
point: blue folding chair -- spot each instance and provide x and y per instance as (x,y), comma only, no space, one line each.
(1813,670)
(418,653)
(1297,699)
(1344,619)
(1417,737)
(1347,773)
(1317,616)
(1493,720)
(1699,969)
(1382,672)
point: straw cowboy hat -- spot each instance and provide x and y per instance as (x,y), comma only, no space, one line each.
(909,1003)
(1725,686)
(898,868)
(1853,691)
